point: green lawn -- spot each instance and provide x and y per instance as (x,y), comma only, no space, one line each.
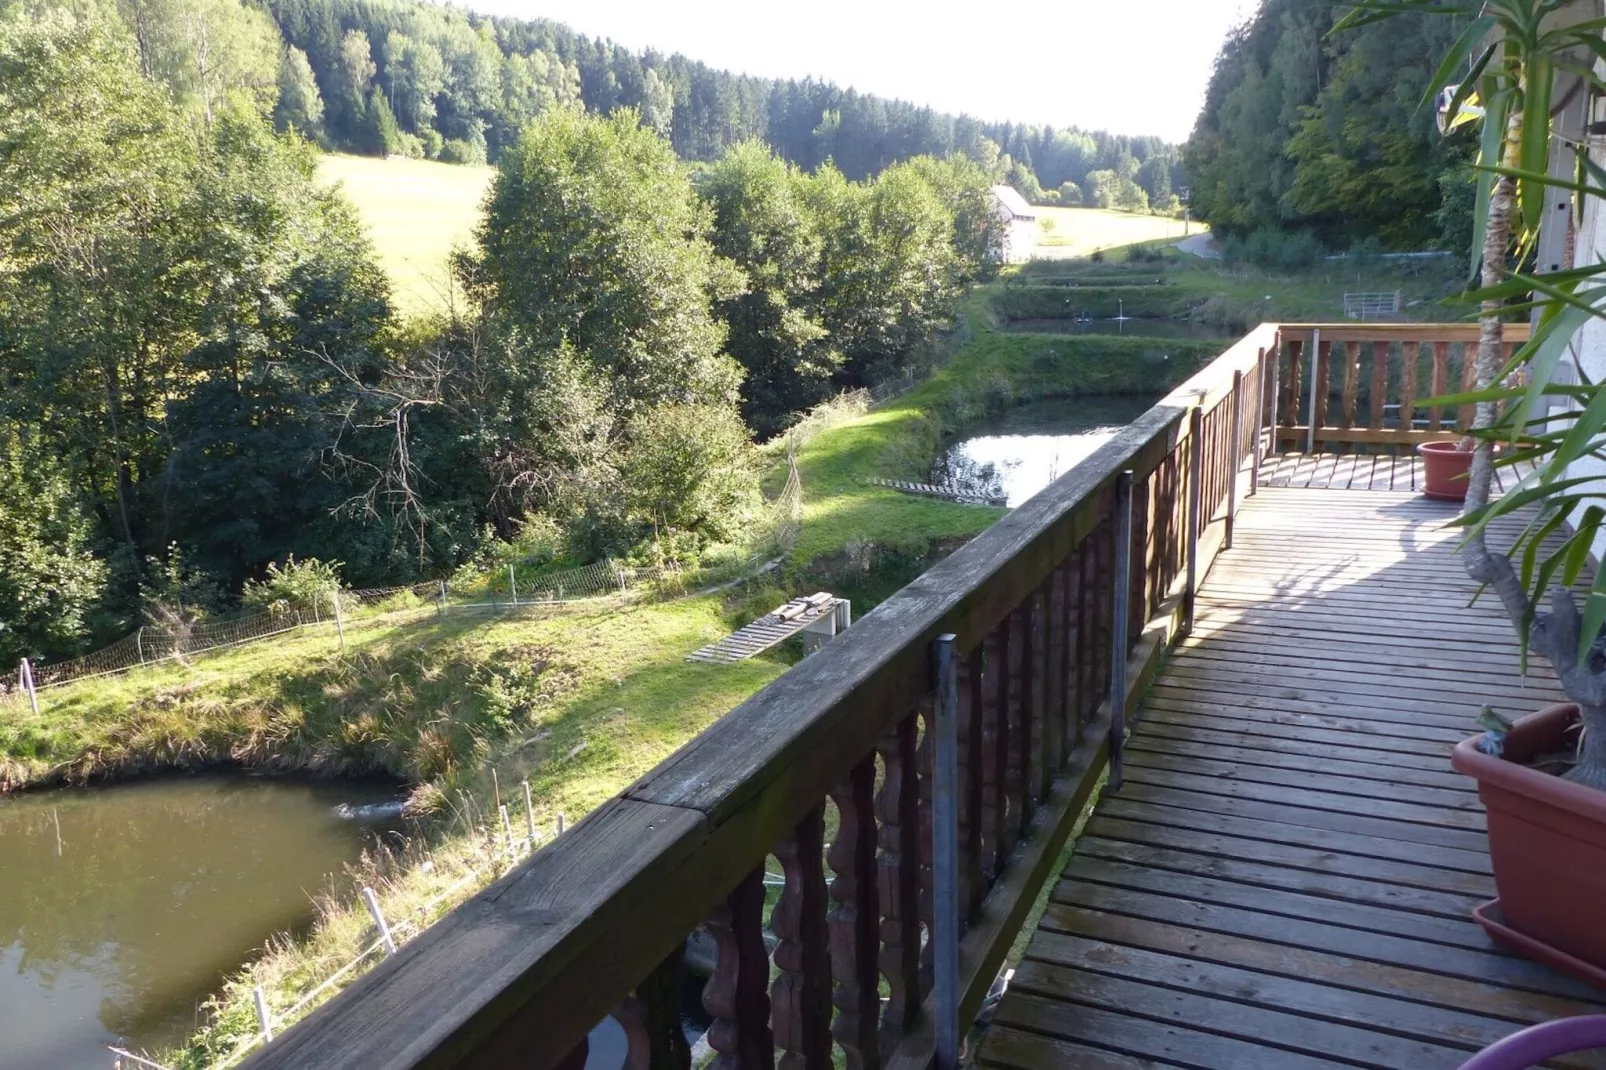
(416,212)
(1082,231)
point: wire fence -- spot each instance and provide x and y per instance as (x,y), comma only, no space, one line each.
(177,640)
(502,850)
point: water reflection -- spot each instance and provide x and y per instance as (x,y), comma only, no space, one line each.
(124,907)
(1024,450)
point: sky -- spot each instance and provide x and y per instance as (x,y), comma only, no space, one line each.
(1128,66)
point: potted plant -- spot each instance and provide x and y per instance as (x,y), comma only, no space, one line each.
(1543,782)
(1445,466)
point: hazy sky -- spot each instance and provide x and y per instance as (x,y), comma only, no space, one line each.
(1129,66)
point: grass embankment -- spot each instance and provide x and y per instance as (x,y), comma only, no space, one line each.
(581,704)
(416,212)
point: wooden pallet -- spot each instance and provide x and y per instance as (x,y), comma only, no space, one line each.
(769,630)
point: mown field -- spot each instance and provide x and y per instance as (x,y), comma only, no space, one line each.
(1077,232)
(417,211)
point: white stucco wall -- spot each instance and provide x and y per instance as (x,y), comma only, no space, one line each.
(1589,345)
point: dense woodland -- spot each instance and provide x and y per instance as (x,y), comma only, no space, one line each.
(201,372)
(1307,131)
(398,76)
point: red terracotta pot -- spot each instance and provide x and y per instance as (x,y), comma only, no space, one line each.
(1444,470)
(1547,840)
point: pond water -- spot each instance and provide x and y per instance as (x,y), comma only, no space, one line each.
(1025,449)
(1134,327)
(123,907)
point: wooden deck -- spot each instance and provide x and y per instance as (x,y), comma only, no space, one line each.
(1355,471)
(1285,877)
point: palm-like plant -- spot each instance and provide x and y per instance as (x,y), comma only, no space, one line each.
(1503,68)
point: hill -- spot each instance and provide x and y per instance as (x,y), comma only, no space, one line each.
(416,211)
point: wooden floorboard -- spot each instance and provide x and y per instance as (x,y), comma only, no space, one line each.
(1285,876)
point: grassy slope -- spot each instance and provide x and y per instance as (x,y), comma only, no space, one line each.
(1080,231)
(416,212)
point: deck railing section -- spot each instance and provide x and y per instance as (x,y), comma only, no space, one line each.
(830,771)
(1348,387)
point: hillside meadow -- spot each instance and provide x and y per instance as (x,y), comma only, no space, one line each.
(416,212)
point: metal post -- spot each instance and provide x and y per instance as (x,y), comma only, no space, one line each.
(945,790)
(1122,608)
(443,596)
(844,615)
(25,676)
(262,1014)
(1310,431)
(340,620)
(372,902)
(529,813)
(513,584)
(139,643)
(1195,471)
(561,824)
(1234,466)
(507,833)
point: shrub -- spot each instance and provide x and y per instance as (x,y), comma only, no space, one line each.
(432,142)
(293,585)
(690,468)
(456,150)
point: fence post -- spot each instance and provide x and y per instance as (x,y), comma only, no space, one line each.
(443,597)
(1122,608)
(529,812)
(371,901)
(945,855)
(561,823)
(340,620)
(25,677)
(513,584)
(263,1020)
(139,643)
(1315,359)
(1234,461)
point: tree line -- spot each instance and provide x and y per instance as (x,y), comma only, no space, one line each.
(418,79)
(201,373)
(1302,131)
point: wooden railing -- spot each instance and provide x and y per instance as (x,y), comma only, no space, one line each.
(914,780)
(1346,386)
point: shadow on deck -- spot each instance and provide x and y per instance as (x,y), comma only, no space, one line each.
(1285,877)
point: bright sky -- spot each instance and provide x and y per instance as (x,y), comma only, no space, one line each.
(1128,66)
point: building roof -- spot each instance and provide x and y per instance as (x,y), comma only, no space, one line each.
(1014,202)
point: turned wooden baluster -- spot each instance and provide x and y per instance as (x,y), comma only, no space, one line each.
(1410,358)
(1070,657)
(1086,641)
(1017,661)
(995,751)
(1324,364)
(1380,383)
(924,756)
(655,1038)
(1352,377)
(1469,380)
(576,1059)
(1440,378)
(1138,602)
(1054,690)
(854,921)
(899,882)
(801,995)
(972,758)
(1292,402)
(1039,774)
(737,996)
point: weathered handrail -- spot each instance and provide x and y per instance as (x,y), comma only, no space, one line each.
(594,924)
(1347,385)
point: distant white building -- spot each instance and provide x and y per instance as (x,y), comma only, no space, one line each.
(1020,224)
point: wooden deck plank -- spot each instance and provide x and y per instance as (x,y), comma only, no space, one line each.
(1285,876)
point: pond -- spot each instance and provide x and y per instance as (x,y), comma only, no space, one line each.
(1026,448)
(1133,327)
(125,906)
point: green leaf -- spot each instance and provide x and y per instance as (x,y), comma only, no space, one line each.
(1534,152)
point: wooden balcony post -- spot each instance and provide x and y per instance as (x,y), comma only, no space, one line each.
(945,855)
(898,816)
(737,996)
(1118,644)
(1195,463)
(801,995)
(1233,457)
(853,922)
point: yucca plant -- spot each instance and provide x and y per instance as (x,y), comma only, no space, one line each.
(1502,70)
